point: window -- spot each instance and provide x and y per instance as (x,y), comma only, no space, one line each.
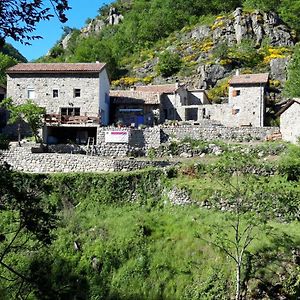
(30,93)
(236,93)
(70,111)
(76,93)
(55,93)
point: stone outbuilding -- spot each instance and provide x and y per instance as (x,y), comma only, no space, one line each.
(290,121)
(74,95)
(134,108)
(247,99)
(153,104)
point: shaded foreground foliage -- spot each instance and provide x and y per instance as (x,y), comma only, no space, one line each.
(119,237)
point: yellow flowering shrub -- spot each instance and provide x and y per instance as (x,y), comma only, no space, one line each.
(220,90)
(225,61)
(275,83)
(218,23)
(148,79)
(125,81)
(273,53)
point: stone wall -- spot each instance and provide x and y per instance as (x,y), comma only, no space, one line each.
(22,159)
(141,140)
(217,133)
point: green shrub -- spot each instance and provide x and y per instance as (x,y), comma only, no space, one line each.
(289,164)
(169,64)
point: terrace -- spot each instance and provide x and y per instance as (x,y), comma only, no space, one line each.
(57,119)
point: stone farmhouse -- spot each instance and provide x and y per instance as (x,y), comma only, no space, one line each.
(155,104)
(290,121)
(75,97)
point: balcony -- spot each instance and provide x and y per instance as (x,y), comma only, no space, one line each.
(56,119)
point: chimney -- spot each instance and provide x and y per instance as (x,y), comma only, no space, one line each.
(97,62)
(237,72)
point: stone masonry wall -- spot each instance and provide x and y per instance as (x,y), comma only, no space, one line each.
(218,133)
(22,159)
(43,85)
(140,141)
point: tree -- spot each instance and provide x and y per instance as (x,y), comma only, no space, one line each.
(241,225)
(168,64)
(28,112)
(292,85)
(5,63)
(26,223)
(18,18)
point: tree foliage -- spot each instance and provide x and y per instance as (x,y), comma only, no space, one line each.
(292,85)
(28,112)
(169,63)
(5,63)
(26,224)
(18,18)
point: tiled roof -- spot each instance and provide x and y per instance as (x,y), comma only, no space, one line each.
(162,88)
(56,68)
(125,96)
(250,78)
(289,104)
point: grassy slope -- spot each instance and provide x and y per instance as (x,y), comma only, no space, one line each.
(109,248)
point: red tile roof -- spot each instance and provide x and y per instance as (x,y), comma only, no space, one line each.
(56,68)
(126,96)
(162,88)
(250,78)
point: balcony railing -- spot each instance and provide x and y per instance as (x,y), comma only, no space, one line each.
(56,119)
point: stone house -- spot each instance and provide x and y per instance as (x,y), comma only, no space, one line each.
(246,102)
(290,121)
(154,104)
(247,99)
(74,95)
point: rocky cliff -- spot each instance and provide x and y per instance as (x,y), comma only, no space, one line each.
(251,42)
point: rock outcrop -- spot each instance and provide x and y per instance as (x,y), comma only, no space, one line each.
(255,26)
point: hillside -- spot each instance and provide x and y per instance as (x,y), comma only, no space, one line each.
(153,234)
(9,56)
(198,43)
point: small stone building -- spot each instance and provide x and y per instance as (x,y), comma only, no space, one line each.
(133,108)
(247,99)
(75,97)
(153,104)
(290,121)
(246,104)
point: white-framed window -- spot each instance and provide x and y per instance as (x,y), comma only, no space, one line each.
(77,93)
(30,93)
(55,93)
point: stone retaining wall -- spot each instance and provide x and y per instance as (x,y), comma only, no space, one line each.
(22,159)
(217,133)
